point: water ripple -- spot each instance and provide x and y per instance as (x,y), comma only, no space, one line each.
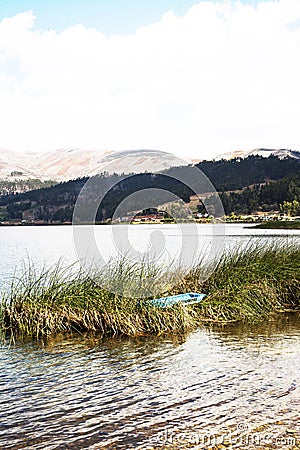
(124,393)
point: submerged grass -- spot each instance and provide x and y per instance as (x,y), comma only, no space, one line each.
(251,285)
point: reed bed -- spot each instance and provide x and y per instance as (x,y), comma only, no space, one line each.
(250,285)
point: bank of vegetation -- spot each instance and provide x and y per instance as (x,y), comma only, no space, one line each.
(254,285)
(279,225)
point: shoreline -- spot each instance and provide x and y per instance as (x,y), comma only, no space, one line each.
(262,225)
(278,225)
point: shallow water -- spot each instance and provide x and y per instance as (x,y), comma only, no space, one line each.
(217,384)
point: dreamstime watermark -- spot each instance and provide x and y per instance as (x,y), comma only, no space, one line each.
(92,200)
(242,436)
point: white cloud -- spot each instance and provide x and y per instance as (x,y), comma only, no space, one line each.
(223,77)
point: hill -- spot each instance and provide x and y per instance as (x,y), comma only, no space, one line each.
(57,203)
(70,163)
(258,183)
(273,196)
(21,172)
(238,173)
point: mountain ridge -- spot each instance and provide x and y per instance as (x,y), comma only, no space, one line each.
(264,152)
(71,163)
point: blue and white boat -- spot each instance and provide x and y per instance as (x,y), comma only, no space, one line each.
(187,299)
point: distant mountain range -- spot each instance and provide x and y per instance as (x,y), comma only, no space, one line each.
(70,163)
(264,152)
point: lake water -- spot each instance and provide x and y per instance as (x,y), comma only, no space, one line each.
(46,245)
(237,385)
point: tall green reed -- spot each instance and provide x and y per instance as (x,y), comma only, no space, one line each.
(252,284)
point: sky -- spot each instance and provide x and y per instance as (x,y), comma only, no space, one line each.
(196,79)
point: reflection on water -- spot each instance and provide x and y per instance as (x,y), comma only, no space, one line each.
(90,393)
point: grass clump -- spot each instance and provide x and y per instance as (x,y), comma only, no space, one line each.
(251,285)
(50,302)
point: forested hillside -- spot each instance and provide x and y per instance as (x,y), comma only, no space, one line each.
(57,203)
(259,184)
(237,173)
(17,186)
(268,197)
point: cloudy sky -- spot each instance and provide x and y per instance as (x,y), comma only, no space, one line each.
(193,78)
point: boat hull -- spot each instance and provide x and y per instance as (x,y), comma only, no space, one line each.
(187,299)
